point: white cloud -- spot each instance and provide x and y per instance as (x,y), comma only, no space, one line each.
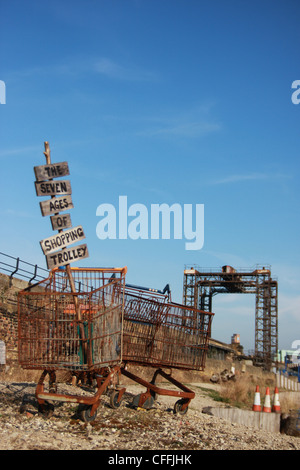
(289,277)
(248,177)
(19,150)
(194,122)
(289,306)
(17,214)
(112,69)
(228,259)
(185,129)
(78,67)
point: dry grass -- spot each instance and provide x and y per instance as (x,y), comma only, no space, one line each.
(17,374)
(240,393)
(287,405)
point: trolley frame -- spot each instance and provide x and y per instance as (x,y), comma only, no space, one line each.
(123,325)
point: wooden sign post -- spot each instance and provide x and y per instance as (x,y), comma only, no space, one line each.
(62,239)
(45,186)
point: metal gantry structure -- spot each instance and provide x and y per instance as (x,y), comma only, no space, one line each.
(201,284)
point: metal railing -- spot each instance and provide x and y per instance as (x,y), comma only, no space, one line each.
(238,270)
(15,267)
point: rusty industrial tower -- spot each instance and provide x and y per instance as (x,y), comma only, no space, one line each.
(200,285)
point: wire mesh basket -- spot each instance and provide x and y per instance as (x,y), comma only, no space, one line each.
(117,324)
(92,324)
(159,333)
(49,332)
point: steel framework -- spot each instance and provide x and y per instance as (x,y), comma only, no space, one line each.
(200,285)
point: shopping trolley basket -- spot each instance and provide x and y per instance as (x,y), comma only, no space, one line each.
(81,332)
(102,329)
(159,333)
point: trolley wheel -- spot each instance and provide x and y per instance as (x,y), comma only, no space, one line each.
(84,413)
(178,408)
(114,403)
(46,409)
(147,405)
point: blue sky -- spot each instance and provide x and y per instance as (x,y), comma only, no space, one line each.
(184,102)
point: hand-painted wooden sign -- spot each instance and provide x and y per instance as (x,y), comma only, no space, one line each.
(62,239)
(66,256)
(59,221)
(53,188)
(45,185)
(55,170)
(56,204)
(55,247)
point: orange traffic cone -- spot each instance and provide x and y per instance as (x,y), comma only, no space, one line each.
(256,405)
(267,404)
(276,404)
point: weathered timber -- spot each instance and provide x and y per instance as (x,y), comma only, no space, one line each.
(59,204)
(54,170)
(66,256)
(61,221)
(62,239)
(53,188)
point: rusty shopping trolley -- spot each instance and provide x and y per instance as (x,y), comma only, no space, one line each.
(77,332)
(160,333)
(100,330)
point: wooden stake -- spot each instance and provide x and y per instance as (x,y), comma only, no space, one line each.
(70,276)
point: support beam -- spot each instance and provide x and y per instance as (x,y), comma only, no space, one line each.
(200,285)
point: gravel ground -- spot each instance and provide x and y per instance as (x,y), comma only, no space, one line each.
(125,428)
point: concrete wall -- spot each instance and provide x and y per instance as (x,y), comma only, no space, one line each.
(266,421)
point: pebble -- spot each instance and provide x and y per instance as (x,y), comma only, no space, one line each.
(123,428)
